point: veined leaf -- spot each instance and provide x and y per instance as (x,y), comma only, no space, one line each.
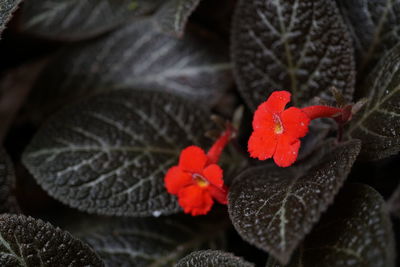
(108,155)
(377,125)
(173,15)
(212,258)
(8,202)
(375,28)
(356,231)
(25,241)
(78,19)
(297,45)
(7,8)
(274,208)
(150,242)
(137,56)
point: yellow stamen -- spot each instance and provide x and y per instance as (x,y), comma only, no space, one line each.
(200,180)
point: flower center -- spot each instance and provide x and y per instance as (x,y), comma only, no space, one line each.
(200,180)
(278,127)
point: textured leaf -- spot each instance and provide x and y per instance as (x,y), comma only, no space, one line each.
(356,231)
(137,56)
(274,208)
(108,155)
(149,242)
(378,123)
(375,28)
(78,19)
(173,15)
(394,202)
(7,7)
(212,258)
(8,203)
(25,241)
(296,45)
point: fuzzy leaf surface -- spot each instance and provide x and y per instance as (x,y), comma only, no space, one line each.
(81,19)
(108,155)
(150,242)
(355,231)
(274,208)
(173,15)
(212,258)
(374,26)
(377,125)
(25,241)
(8,202)
(136,56)
(298,45)
(7,8)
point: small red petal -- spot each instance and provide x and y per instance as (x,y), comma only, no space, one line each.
(263,119)
(277,101)
(262,144)
(195,200)
(219,194)
(295,122)
(176,179)
(193,159)
(213,173)
(286,151)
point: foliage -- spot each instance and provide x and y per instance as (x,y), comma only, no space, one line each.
(118,89)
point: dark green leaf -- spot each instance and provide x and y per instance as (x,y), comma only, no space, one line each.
(394,202)
(149,242)
(375,28)
(7,7)
(25,241)
(173,15)
(297,45)
(212,258)
(77,19)
(8,203)
(356,231)
(137,56)
(274,208)
(377,125)
(109,154)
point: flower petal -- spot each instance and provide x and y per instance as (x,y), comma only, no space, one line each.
(213,173)
(195,200)
(263,119)
(219,194)
(193,159)
(286,151)
(295,122)
(262,144)
(277,101)
(176,179)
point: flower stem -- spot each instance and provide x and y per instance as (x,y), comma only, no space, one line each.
(319,111)
(215,151)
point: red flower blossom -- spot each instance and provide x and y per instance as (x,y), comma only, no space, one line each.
(197,179)
(277,131)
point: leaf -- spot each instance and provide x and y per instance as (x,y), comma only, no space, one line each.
(149,242)
(7,8)
(356,231)
(174,14)
(8,202)
(301,46)
(108,155)
(25,241)
(212,258)
(377,125)
(374,26)
(137,56)
(274,208)
(77,19)
(394,202)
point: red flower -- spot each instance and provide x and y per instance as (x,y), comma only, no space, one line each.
(277,131)
(197,179)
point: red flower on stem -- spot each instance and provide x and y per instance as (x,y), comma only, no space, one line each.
(277,132)
(197,179)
